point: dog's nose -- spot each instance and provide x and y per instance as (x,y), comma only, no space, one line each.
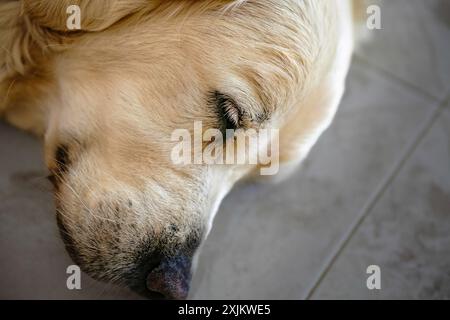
(171,278)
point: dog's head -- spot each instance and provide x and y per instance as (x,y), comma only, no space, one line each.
(129,79)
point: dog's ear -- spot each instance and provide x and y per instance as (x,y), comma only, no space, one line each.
(95,15)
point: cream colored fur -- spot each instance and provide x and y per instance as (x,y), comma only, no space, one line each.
(113,92)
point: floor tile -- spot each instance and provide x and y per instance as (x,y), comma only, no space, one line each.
(406,235)
(414,43)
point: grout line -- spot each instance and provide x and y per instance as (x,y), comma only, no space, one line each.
(375,196)
(392,76)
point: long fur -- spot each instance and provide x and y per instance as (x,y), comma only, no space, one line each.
(109,96)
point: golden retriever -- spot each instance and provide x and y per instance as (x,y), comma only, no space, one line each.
(106,99)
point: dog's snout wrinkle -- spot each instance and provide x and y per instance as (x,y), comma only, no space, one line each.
(62,158)
(60,167)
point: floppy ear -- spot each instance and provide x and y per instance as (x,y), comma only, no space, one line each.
(95,15)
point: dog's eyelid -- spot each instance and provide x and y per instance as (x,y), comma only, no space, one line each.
(228,110)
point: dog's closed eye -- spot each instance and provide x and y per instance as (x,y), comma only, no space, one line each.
(229,112)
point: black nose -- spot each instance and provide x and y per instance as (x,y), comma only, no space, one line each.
(159,276)
(170,278)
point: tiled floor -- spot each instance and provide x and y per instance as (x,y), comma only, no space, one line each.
(374,191)
(406,233)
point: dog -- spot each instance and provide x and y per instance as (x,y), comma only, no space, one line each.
(106,97)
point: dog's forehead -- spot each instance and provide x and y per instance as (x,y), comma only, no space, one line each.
(267,43)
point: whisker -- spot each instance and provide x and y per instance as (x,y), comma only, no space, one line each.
(66,184)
